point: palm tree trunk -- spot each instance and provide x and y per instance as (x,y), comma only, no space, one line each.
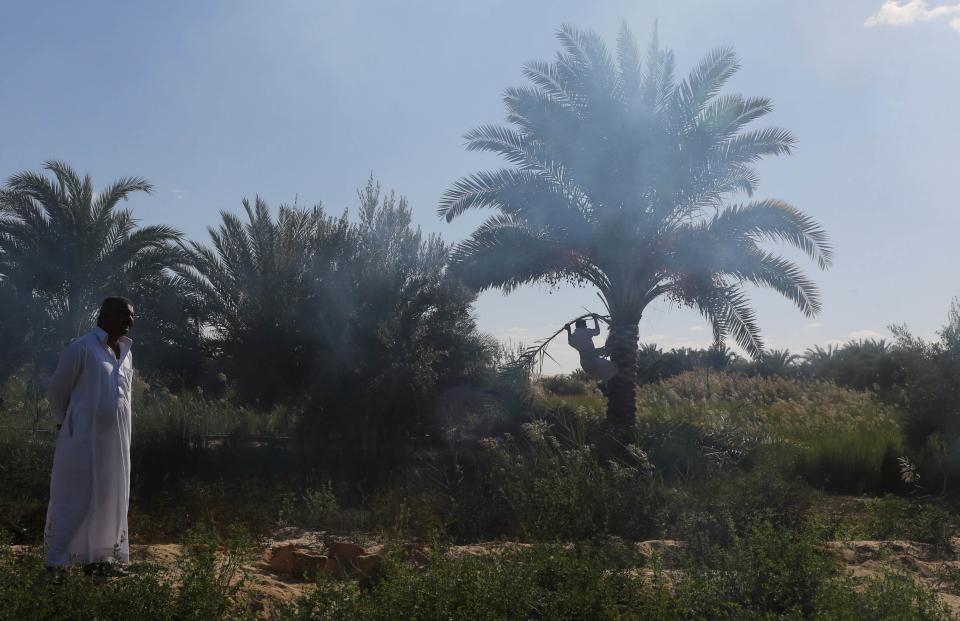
(621,390)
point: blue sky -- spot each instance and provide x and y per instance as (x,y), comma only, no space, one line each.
(214,101)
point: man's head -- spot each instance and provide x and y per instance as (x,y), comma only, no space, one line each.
(581,323)
(116,316)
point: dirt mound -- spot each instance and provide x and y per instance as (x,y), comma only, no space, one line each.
(928,564)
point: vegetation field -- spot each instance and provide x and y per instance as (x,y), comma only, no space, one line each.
(321,430)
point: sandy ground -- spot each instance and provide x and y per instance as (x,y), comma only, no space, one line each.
(267,585)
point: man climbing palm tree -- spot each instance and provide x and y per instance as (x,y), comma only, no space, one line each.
(597,367)
(620,179)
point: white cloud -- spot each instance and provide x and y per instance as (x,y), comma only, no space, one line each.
(906,12)
(179,194)
(815,324)
(865,334)
(696,328)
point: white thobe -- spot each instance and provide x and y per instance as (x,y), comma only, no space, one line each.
(90,485)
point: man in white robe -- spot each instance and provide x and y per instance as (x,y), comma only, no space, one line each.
(90,395)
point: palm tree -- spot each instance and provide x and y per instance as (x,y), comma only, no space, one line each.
(620,180)
(257,286)
(817,355)
(780,362)
(64,247)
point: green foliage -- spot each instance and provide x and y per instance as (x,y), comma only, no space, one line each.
(607,150)
(765,571)
(895,595)
(833,437)
(861,365)
(850,461)
(257,289)
(206,585)
(711,512)
(892,517)
(545,582)
(557,486)
(359,322)
(654,365)
(211,584)
(315,509)
(776,362)
(928,375)
(763,574)
(64,247)
(564,385)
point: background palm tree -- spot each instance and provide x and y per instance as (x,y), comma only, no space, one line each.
(359,323)
(620,179)
(63,248)
(780,362)
(256,288)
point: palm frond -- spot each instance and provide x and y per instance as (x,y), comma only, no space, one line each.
(783,276)
(628,58)
(706,80)
(520,193)
(776,221)
(505,254)
(751,146)
(119,190)
(548,79)
(730,309)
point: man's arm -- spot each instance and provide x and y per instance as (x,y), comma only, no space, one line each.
(596,327)
(64,379)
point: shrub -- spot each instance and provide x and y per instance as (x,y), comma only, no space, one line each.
(207,584)
(850,462)
(558,486)
(564,385)
(544,582)
(893,595)
(211,576)
(835,438)
(712,512)
(765,570)
(891,517)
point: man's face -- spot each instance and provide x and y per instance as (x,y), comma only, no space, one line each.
(119,321)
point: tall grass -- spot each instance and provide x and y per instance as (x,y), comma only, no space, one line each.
(836,439)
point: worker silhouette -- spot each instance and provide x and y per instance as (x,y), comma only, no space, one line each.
(591,358)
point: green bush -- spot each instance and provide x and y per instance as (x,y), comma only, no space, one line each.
(564,385)
(894,596)
(851,462)
(557,486)
(765,574)
(834,438)
(207,585)
(543,582)
(712,512)
(766,570)
(211,576)
(891,517)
